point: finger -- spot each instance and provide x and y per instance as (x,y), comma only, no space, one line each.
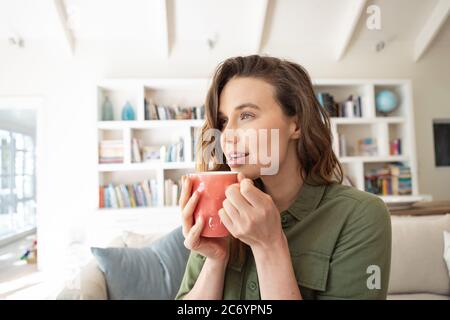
(251,193)
(233,194)
(226,220)
(188,211)
(240,176)
(186,191)
(193,236)
(232,212)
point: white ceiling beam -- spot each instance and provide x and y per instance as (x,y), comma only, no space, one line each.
(350,22)
(261,16)
(67,35)
(162,13)
(431,28)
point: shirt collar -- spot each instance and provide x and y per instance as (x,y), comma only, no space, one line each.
(307,200)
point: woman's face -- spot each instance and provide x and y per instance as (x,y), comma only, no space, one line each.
(247,109)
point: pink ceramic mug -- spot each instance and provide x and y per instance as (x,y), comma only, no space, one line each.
(212,186)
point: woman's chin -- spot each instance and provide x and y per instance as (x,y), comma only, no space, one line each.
(249,171)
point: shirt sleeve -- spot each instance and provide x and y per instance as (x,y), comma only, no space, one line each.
(193,267)
(360,264)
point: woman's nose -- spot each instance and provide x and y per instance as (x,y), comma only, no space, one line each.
(230,136)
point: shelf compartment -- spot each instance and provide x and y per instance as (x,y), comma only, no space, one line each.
(400,91)
(349,136)
(118,96)
(341,92)
(130,177)
(397,132)
(386,184)
(108,135)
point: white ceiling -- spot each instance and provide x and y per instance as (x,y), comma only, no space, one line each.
(185,25)
(402,20)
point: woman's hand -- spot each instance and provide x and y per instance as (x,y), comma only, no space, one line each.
(213,248)
(251,215)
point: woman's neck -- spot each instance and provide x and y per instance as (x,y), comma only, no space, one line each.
(285,185)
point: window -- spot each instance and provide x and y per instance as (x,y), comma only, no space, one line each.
(17,182)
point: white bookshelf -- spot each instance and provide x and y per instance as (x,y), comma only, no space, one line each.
(188,92)
(398,124)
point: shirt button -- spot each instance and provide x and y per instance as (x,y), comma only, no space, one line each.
(284,221)
(201,257)
(252,285)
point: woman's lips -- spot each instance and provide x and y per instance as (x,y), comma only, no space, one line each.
(235,159)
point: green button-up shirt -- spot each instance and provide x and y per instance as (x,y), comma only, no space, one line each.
(340,245)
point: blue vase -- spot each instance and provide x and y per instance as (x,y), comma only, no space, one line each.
(128,112)
(107,110)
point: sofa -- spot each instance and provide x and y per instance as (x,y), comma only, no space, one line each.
(418,268)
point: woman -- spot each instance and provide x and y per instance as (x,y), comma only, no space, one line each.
(295,234)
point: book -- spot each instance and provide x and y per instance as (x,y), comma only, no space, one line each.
(154,191)
(147,193)
(327,102)
(367,147)
(131,195)
(195,135)
(173,152)
(112,195)
(151,153)
(150,112)
(174,196)
(392,179)
(125,196)
(118,196)
(154,111)
(141,195)
(138,194)
(395,147)
(111,151)
(101,197)
(350,108)
(167,192)
(136,150)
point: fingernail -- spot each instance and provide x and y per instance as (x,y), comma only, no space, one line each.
(201,187)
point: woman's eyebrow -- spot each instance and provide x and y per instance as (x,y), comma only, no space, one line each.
(242,106)
(245,105)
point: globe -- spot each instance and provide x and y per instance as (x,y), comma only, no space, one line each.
(386,101)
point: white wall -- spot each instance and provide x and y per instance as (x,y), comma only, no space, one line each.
(66,190)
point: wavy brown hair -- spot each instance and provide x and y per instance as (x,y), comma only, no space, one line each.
(295,94)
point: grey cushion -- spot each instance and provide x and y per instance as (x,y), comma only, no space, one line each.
(153,272)
(417,296)
(417,264)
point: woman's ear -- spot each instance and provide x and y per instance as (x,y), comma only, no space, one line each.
(294,129)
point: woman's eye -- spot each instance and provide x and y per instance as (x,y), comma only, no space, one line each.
(246,115)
